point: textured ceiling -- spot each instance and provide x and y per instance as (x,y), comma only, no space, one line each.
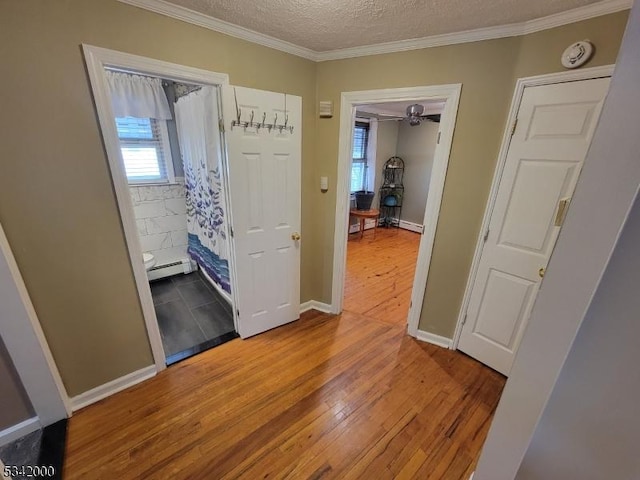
(324,25)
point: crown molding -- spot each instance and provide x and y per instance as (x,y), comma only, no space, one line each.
(593,10)
(201,20)
(468,36)
(598,9)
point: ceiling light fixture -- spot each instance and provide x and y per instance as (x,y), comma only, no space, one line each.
(414,114)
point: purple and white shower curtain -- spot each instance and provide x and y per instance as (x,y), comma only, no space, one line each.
(199,136)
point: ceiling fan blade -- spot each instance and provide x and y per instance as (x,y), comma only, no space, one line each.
(432,118)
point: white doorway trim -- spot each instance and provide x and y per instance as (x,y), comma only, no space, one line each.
(97,59)
(28,348)
(521,84)
(349,101)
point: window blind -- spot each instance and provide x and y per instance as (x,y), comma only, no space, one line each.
(144,146)
(359,156)
(360,134)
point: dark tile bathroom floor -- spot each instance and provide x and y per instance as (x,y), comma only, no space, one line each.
(44,448)
(23,451)
(192,316)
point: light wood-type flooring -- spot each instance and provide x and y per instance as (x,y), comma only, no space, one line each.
(340,397)
(379,275)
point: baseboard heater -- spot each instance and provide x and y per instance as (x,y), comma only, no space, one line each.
(167,270)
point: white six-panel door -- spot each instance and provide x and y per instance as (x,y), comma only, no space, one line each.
(264,170)
(553,133)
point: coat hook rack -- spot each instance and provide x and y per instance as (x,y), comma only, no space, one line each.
(238,122)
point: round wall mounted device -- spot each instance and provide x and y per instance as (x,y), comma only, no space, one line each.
(577,54)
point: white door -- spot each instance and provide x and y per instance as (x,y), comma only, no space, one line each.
(264,168)
(553,133)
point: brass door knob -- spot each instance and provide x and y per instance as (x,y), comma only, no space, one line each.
(541,272)
(295,236)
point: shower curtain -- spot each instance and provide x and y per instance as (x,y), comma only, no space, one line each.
(199,137)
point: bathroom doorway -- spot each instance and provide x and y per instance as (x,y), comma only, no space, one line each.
(243,210)
(169,157)
(171,149)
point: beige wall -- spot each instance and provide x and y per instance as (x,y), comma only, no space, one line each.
(56,198)
(15,406)
(57,203)
(488,71)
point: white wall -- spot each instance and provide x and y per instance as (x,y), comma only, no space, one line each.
(605,192)
(590,429)
(385,148)
(161,216)
(416,146)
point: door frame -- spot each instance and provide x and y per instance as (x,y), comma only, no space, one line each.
(97,58)
(521,84)
(349,101)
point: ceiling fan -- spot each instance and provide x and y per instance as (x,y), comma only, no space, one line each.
(414,116)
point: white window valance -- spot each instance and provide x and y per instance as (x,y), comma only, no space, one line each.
(137,96)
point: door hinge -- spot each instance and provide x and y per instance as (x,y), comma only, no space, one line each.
(237,313)
(438,141)
(231,230)
(221,125)
(513,129)
(422,231)
(486,235)
(464,319)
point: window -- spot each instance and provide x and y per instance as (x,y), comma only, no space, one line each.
(359,157)
(144,143)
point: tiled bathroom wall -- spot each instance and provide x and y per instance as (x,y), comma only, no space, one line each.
(160,212)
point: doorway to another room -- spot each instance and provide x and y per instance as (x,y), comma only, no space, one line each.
(172,156)
(209,215)
(394,148)
(393,151)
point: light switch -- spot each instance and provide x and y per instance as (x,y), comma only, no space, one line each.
(324,184)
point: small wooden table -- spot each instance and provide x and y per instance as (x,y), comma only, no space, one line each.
(362,215)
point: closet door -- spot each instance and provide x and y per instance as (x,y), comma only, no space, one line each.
(554,130)
(263,167)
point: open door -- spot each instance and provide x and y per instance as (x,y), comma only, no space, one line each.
(263,167)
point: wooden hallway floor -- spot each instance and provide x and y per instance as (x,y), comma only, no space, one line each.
(379,274)
(327,397)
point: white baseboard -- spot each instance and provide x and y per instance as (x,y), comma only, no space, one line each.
(315,305)
(368,224)
(433,339)
(19,430)
(413,227)
(103,391)
(405,225)
(182,265)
